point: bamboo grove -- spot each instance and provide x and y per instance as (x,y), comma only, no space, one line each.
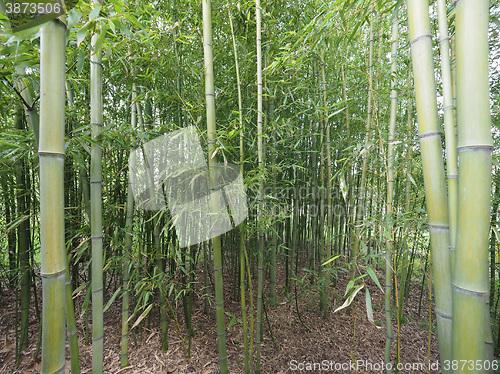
(366,133)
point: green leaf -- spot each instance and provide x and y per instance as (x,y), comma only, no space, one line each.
(80,35)
(37,22)
(396,10)
(125,30)
(373,276)
(330,260)
(349,286)
(73,17)
(369,309)
(15,224)
(94,12)
(112,299)
(143,315)
(134,21)
(496,21)
(112,26)
(100,39)
(86,300)
(81,59)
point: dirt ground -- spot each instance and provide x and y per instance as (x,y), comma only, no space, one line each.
(333,344)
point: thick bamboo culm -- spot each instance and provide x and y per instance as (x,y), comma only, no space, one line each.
(96,122)
(212,163)
(51,153)
(433,167)
(475,145)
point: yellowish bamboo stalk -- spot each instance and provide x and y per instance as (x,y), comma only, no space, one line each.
(433,168)
(475,145)
(51,153)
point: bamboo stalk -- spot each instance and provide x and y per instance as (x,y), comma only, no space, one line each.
(96,122)
(433,168)
(212,163)
(51,153)
(126,275)
(328,252)
(260,213)
(246,351)
(449,123)
(361,194)
(470,277)
(70,308)
(390,196)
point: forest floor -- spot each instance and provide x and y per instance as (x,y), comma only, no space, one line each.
(334,344)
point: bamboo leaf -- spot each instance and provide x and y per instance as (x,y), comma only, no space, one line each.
(143,315)
(112,299)
(86,301)
(100,39)
(80,35)
(95,12)
(350,299)
(330,260)
(349,286)
(37,22)
(369,309)
(73,17)
(15,224)
(373,276)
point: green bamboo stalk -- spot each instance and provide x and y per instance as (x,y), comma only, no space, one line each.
(361,194)
(96,122)
(212,164)
(260,213)
(433,168)
(23,238)
(327,253)
(475,144)
(126,275)
(71,323)
(70,308)
(404,266)
(156,225)
(51,153)
(449,123)
(243,224)
(390,197)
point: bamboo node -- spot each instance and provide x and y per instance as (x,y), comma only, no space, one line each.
(53,275)
(438,227)
(444,316)
(475,147)
(470,292)
(429,134)
(420,37)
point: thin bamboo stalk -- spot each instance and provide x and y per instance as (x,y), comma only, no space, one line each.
(328,252)
(260,213)
(51,153)
(470,277)
(361,194)
(433,167)
(242,228)
(126,275)
(390,197)
(449,123)
(70,308)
